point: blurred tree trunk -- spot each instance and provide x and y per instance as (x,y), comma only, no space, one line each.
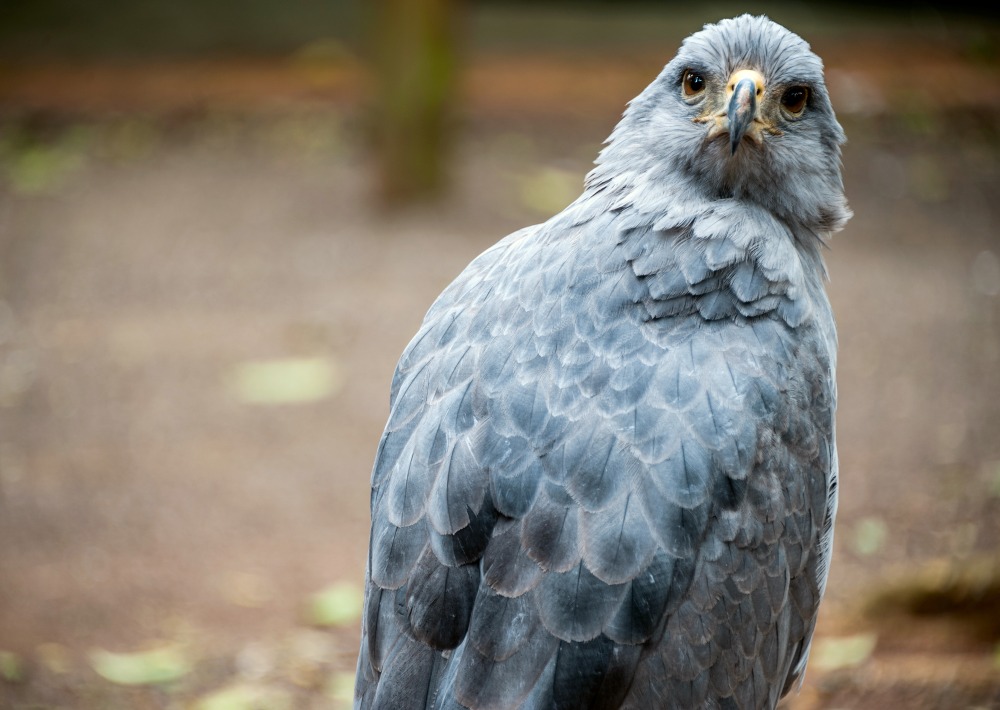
(415,64)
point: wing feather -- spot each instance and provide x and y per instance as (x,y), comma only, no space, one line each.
(606,475)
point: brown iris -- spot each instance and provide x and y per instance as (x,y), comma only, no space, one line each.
(694,83)
(794,99)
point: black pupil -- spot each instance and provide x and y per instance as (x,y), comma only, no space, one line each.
(695,82)
(794,97)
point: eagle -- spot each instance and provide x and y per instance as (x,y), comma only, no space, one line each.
(609,476)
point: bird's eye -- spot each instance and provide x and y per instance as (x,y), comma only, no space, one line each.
(694,83)
(794,99)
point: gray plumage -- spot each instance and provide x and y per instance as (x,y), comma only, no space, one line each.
(609,475)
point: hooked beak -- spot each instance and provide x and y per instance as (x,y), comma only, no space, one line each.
(738,116)
(742,110)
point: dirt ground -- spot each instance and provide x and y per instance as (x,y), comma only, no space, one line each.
(149,250)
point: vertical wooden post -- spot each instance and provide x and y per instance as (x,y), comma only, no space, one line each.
(415,66)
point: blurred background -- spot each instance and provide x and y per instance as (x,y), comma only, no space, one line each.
(221,222)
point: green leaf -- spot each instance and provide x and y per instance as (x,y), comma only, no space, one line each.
(548,190)
(870,535)
(159,665)
(286,381)
(11,669)
(340,689)
(830,654)
(33,167)
(995,480)
(337,605)
(245,696)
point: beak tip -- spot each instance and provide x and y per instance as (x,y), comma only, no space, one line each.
(741,111)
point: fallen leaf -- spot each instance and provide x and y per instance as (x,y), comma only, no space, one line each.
(340,689)
(11,668)
(158,665)
(337,605)
(33,168)
(830,654)
(246,696)
(995,480)
(286,381)
(869,536)
(548,190)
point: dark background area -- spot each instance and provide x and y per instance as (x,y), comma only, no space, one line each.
(203,295)
(122,29)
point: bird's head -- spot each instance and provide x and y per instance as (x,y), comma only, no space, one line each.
(741,112)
